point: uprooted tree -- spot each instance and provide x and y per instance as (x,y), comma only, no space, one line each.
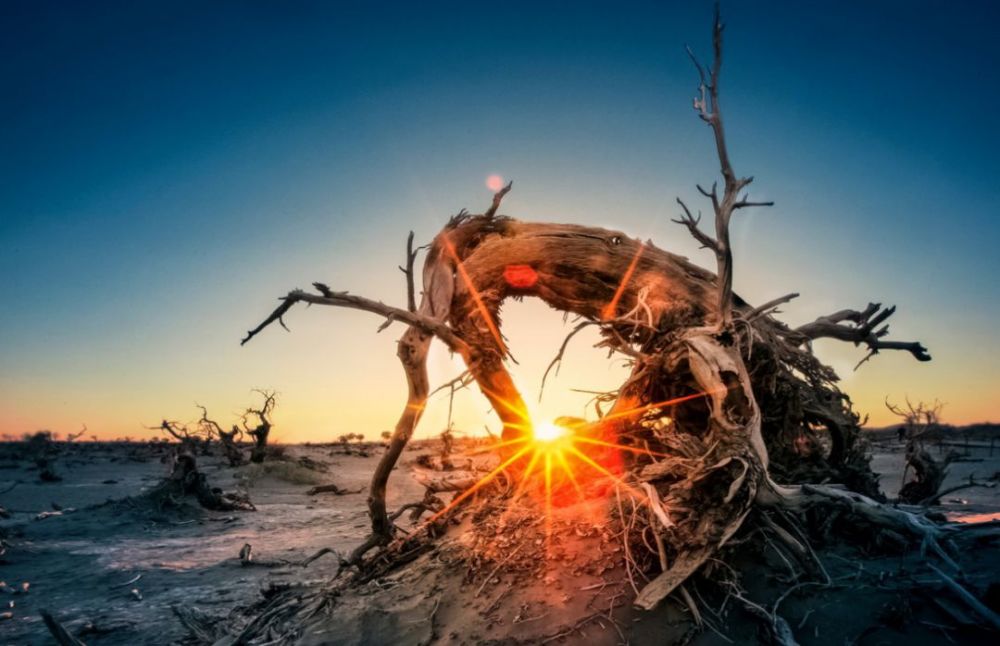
(726,409)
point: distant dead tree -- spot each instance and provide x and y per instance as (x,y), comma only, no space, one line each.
(261,428)
(447,446)
(919,420)
(191,439)
(42,450)
(72,437)
(228,439)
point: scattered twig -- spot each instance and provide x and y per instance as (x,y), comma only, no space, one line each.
(497,568)
(318,554)
(129,582)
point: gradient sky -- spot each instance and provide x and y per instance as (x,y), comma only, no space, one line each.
(169,168)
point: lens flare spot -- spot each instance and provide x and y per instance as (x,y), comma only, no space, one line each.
(494,183)
(520,276)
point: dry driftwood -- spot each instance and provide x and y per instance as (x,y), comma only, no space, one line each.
(332,488)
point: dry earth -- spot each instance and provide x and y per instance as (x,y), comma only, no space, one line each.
(110,567)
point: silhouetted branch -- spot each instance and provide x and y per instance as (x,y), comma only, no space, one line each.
(706,104)
(860,327)
(344,299)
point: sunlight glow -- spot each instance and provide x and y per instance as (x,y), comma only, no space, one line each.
(476,296)
(561,462)
(549,432)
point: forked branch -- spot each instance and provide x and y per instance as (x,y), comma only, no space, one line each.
(859,327)
(706,104)
(411,256)
(344,299)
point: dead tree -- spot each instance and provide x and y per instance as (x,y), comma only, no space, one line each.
(43,450)
(72,437)
(191,440)
(689,338)
(928,474)
(186,480)
(447,444)
(228,439)
(260,430)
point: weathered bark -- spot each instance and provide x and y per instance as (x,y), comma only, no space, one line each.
(412,352)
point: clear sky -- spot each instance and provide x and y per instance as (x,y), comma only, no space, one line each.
(169,168)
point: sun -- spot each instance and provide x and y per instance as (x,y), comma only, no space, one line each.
(548,431)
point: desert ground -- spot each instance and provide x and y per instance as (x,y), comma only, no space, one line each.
(112,567)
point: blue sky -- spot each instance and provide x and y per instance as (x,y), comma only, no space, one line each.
(170,168)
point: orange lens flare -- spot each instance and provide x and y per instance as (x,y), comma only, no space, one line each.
(555,446)
(482,482)
(663,404)
(520,276)
(612,308)
(476,296)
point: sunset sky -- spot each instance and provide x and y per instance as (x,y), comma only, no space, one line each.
(168,169)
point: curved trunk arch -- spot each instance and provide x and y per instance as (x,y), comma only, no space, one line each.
(591,272)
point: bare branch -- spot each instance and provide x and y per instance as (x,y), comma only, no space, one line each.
(745,202)
(863,331)
(769,307)
(210,424)
(411,292)
(559,356)
(177,430)
(344,299)
(709,110)
(691,222)
(458,383)
(497,198)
